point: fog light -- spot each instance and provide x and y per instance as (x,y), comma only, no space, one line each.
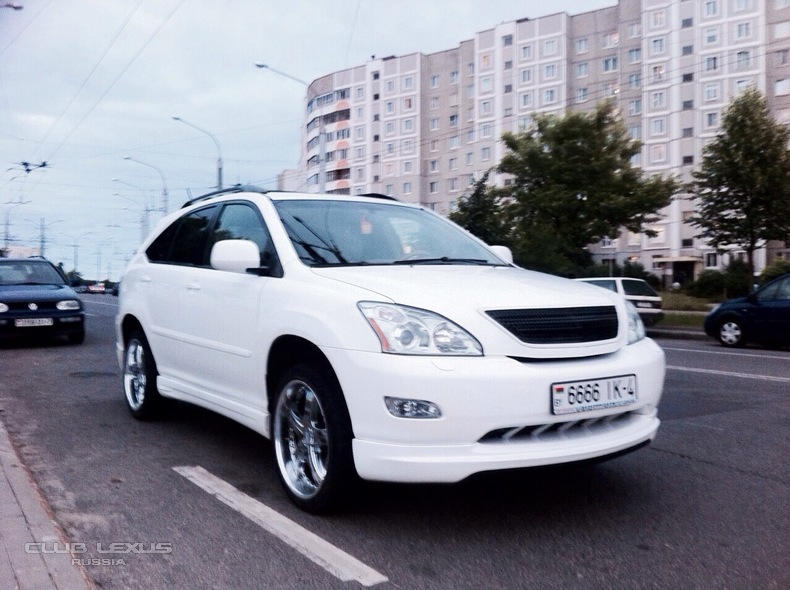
(412,408)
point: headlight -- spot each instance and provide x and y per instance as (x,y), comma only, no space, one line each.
(636,329)
(408,330)
(3,307)
(68,305)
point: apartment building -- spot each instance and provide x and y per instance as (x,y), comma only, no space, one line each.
(422,127)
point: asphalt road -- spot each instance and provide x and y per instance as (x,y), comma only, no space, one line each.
(705,506)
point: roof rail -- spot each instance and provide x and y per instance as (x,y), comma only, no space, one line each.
(236,188)
(377,196)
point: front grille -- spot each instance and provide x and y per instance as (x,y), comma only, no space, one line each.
(560,430)
(569,325)
(23,305)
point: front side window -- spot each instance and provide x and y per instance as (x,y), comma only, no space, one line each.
(185,240)
(240,221)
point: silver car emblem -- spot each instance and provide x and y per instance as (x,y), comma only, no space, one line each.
(32,306)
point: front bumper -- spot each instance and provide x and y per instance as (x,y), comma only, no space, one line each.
(63,324)
(481,398)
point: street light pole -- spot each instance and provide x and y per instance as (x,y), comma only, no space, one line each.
(165,204)
(216,142)
(321,134)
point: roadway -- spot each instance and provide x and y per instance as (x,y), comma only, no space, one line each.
(192,501)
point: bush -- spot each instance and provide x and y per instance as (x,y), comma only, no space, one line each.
(710,284)
(776,269)
(737,282)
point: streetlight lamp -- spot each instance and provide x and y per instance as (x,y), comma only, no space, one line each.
(321,144)
(164,181)
(144,218)
(216,142)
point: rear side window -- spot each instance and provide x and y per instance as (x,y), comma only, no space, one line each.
(606,284)
(639,289)
(185,241)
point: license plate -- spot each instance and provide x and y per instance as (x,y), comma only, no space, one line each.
(595,394)
(31,322)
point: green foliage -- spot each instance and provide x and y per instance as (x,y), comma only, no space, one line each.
(776,269)
(573,185)
(710,284)
(480,214)
(743,184)
(738,279)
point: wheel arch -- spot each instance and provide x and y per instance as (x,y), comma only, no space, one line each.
(287,351)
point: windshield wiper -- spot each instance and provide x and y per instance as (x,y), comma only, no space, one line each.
(446,260)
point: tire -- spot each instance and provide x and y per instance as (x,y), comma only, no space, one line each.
(731,333)
(139,378)
(77,337)
(311,435)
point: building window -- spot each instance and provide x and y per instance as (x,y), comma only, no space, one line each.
(609,64)
(407,125)
(782,87)
(526,100)
(635,132)
(743,30)
(507,40)
(711,260)
(742,59)
(549,96)
(526,52)
(508,88)
(581,45)
(711,92)
(688,50)
(452,142)
(658,153)
(433,187)
(610,40)
(433,103)
(658,126)
(486,107)
(688,160)
(688,132)
(390,86)
(711,63)
(687,23)
(658,73)
(582,69)
(454,77)
(635,107)
(526,75)
(433,123)
(711,119)
(657,46)
(408,83)
(406,188)
(688,77)
(509,64)
(634,80)
(581,94)
(688,105)
(550,71)
(486,84)
(634,55)
(433,166)
(453,163)
(435,81)
(485,154)
(550,47)
(658,100)
(711,8)
(486,130)
(658,19)
(711,35)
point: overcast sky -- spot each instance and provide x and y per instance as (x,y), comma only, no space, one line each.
(85,82)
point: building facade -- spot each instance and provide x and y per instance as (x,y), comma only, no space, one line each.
(422,128)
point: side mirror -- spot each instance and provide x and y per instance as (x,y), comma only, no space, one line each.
(504,253)
(235,256)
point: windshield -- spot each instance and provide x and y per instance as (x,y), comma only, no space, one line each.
(332,233)
(29,272)
(638,288)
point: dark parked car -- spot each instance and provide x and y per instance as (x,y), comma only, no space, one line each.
(35,300)
(762,316)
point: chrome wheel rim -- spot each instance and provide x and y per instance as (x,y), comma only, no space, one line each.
(730,333)
(301,439)
(134,374)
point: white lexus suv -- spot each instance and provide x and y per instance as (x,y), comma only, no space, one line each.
(373,339)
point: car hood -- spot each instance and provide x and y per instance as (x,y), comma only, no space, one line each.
(463,294)
(36,293)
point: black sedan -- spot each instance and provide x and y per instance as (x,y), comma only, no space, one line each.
(35,300)
(762,317)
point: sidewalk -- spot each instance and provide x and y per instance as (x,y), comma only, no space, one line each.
(660,331)
(24,519)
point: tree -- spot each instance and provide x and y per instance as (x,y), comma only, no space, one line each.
(480,214)
(743,183)
(574,184)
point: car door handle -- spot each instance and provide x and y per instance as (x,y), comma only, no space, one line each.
(193,287)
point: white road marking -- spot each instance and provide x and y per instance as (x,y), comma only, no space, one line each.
(726,353)
(337,562)
(731,374)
